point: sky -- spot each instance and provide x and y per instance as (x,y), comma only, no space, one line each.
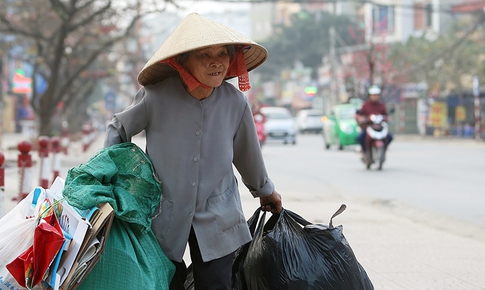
(211,9)
(203,7)
(162,27)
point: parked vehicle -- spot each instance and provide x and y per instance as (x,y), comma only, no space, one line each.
(309,121)
(279,125)
(340,127)
(376,135)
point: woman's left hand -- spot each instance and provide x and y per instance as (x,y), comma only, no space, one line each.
(271,203)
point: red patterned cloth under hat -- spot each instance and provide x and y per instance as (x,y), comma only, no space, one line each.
(236,68)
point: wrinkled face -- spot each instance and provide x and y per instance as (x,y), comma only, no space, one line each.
(209,65)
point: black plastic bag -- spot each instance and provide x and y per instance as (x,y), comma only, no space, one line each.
(189,281)
(288,252)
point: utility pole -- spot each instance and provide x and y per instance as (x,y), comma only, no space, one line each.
(476,94)
(333,83)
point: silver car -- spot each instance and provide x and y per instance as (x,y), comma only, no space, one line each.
(280,124)
(309,121)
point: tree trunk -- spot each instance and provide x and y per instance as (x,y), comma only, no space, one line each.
(46,112)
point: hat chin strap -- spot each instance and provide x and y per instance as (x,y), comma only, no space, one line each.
(190,81)
(238,68)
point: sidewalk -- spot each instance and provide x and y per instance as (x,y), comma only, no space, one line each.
(399,252)
(399,247)
(75,156)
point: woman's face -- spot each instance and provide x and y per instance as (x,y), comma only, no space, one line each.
(209,65)
(374,98)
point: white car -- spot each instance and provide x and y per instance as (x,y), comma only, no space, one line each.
(309,121)
(280,124)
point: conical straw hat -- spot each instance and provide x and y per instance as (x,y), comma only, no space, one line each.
(196,32)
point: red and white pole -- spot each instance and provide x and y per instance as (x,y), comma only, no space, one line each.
(24,163)
(44,161)
(476,95)
(2,185)
(64,137)
(86,129)
(402,117)
(56,156)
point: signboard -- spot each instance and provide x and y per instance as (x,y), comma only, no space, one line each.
(438,114)
(460,114)
(414,90)
(310,91)
(21,83)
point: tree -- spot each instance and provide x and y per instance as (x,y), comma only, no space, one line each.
(306,40)
(442,61)
(66,42)
(369,63)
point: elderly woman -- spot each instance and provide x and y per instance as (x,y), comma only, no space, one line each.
(197,126)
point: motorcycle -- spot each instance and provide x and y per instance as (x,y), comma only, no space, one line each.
(376,141)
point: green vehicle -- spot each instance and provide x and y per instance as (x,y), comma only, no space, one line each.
(340,127)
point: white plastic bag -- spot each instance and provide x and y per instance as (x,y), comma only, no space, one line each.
(17,230)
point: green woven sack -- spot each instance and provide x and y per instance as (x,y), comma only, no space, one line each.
(123,176)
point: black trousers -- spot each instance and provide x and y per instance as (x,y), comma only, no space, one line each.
(211,275)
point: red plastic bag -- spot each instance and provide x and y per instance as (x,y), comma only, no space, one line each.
(30,267)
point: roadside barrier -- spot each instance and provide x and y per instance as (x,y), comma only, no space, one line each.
(86,129)
(49,164)
(44,161)
(65,141)
(56,156)
(24,164)
(2,184)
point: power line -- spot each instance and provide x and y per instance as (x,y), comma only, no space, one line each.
(443,9)
(449,49)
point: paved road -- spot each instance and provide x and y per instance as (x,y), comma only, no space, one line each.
(418,224)
(444,177)
(400,243)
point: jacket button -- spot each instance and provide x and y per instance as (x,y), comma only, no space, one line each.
(194,183)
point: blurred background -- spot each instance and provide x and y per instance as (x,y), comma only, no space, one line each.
(65,64)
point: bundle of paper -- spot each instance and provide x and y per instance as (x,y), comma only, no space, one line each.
(76,241)
(92,247)
(87,231)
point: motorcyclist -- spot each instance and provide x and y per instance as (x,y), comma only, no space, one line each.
(371,107)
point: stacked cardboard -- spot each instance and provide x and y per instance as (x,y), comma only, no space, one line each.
(85,234)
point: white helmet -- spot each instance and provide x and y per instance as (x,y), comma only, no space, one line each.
(374,90)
